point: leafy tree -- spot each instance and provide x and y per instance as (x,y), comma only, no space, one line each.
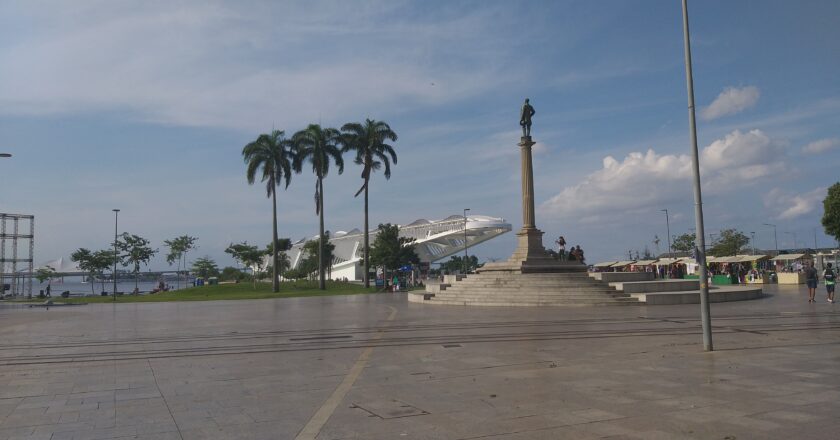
(831,212)
(135,250)
(44,274)
(390,251)
(319,146)
(85,260)
(311,249)
(684,242)
(731,241)
(274,158)
(205,267)
(283,245)
(367,140)
(456,264)
(178,248)
(102,261)
(230,273)
(249,255)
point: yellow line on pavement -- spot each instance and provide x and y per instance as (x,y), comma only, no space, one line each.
(313,427)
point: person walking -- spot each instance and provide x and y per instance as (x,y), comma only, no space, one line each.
(811,280)
(829,277)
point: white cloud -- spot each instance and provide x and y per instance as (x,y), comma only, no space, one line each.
(213,65)
(639,181)
(788,205)
(821,146)
(645,180)
(741,157)
(731,101)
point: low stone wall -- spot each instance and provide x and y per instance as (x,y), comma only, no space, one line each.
(715,295)
(614,277)
(657,286)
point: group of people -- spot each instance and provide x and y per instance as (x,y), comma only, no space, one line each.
(812,278)
(574,254)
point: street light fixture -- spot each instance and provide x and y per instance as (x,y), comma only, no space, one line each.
(116,217)
(775,237)
(5,155)
(668,225)
(466,262)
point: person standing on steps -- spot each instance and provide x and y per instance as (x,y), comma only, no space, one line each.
(829,277)
(561,248)
(811,280)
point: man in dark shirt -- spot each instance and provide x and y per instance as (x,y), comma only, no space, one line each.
(811,280)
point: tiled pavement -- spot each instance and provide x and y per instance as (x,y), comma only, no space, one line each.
(262,369)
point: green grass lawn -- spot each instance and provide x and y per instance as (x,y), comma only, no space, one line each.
(244,290)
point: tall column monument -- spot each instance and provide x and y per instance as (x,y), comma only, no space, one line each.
(530,255)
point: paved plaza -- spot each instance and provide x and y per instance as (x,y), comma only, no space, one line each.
(379,367)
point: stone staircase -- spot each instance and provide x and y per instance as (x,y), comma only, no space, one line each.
(509,289)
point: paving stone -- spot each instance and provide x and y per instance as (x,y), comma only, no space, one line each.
(632,372)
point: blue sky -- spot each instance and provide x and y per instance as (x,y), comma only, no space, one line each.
(145,106)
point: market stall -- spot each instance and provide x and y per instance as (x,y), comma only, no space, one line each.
(789,267)
(643,266)
(622,266)
(603,266)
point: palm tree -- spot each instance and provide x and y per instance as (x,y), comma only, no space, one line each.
(319,146)
(368,141)
(273,156)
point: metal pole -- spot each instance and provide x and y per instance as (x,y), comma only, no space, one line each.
(752,241)
(466,263)
(815,239)
(114,275)
(700,244)
(668,225)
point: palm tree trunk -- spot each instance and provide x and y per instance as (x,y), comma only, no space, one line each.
(321,282)
(367,244)
(275,283)
(136,277)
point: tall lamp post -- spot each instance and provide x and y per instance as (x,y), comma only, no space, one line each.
(116,217)
(466,258)
(668,226)
(775,237)
(752,241)
(700,241)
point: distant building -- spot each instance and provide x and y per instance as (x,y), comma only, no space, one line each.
(434,239)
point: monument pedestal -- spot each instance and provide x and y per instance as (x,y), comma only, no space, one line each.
(530,277)
(530,257)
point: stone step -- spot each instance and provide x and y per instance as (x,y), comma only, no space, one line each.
(531,297)
(517,290)
(449,294)
(529,303)
(531,283)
